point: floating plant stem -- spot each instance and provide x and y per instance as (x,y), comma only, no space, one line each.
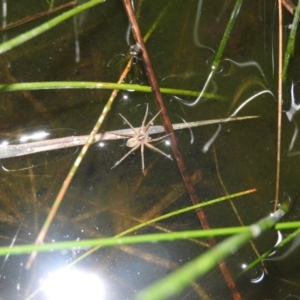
(287,225)
(97,85)
(147,238)
(115,241)
(14,150)
(150,238)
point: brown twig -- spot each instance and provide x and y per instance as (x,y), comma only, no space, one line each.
(169,130)
(289,5)
(37,16)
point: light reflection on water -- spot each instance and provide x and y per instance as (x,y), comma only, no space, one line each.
(16,165)
(73,284)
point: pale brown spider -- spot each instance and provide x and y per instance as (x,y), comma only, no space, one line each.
(140,137)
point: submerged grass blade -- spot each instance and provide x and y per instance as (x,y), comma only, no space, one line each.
(217,59)
(226,35)
(149,222)
(186,209)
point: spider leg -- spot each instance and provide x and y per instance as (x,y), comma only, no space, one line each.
(159,138)
(145,117)
(129,152)
(157,150)
(129,135)
(142,154)
(150,122)
(126,121)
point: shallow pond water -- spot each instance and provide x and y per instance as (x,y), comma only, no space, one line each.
(104,202)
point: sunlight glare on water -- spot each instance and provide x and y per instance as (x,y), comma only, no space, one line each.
(34,136)
(73,284)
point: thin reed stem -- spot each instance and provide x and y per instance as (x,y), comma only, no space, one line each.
(169,130)
(279,107)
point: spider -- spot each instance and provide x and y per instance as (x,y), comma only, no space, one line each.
(140,137)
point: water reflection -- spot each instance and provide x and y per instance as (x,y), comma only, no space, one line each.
(246,153)
(73,284)
(17,147)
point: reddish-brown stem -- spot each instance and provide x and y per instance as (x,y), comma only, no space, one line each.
(38,15)
(164,115)
(169,130)
(279,101)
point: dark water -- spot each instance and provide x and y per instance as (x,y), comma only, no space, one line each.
(100,201)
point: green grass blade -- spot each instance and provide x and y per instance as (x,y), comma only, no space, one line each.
(147,238)
(219,53)
(226,35)
(291,43)
(22,38)
(178,280)
(267,253)
(98,85)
